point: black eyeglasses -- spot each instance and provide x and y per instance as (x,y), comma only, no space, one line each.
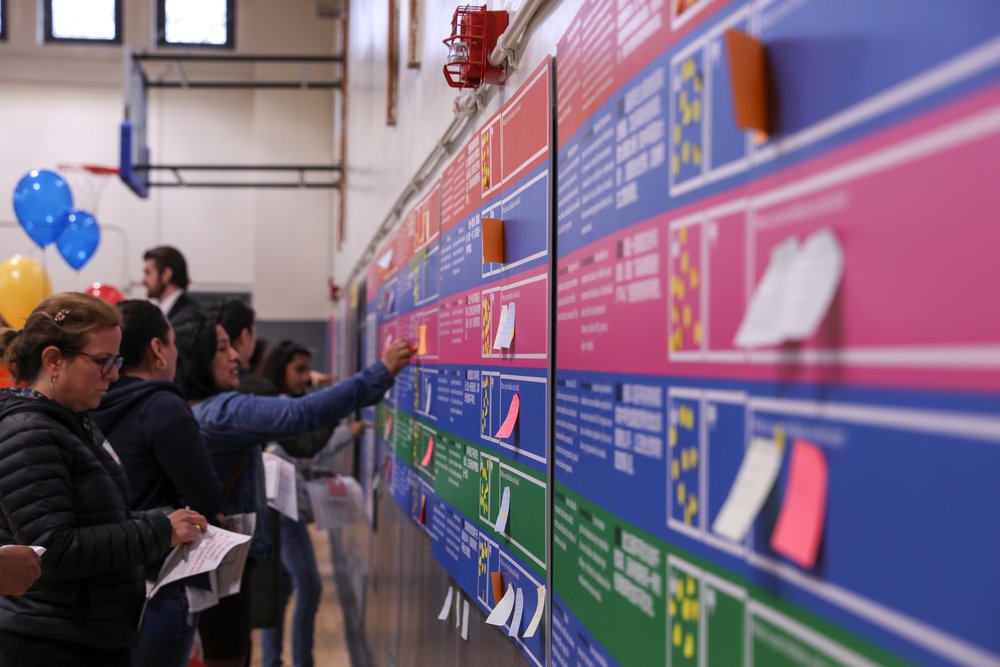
(106,363)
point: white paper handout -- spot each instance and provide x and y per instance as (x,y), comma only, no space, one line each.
(795,292)
(208,553)
(279,485)
(336,501)
(754,481)
(515,620)
(502,611)
(229,573)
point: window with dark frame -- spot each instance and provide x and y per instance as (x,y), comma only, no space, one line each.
(82,21)
(203,23)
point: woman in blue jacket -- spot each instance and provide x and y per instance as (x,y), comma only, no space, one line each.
(234,427)
(149,423)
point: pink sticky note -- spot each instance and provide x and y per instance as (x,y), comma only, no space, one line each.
(430,452)
(800,524)
(388,428)
(507,427)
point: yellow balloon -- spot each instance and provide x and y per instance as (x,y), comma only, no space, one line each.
(23,285)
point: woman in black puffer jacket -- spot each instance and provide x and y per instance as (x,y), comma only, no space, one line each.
(62,488)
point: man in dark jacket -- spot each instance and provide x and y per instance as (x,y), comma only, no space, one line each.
(165,277)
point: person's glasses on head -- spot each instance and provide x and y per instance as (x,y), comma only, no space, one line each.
(106,363)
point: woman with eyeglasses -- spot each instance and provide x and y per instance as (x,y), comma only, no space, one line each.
(62,487)
(148,421)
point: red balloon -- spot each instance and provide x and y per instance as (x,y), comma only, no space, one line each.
(109,293)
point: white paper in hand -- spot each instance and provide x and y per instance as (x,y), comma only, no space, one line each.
(279,485)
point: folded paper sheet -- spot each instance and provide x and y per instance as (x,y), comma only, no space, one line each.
(280,486)
(206,554)
(754,482)
(502,611)
(799,529)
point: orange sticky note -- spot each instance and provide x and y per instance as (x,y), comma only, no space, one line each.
(429,453)
(749,79)
(422,340)
(803,512)
(507,427)
(498,589)
(493,240)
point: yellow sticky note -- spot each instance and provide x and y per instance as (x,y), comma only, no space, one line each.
(690,586)
(686,610)
(693,504)
(685,258)
(673,436)
(684,460)
(681,493)
(674,470)
(686,416)
(678,635)
(693,279)
(677,134)
(422,340)
(696,110)
(673,608)
(697,333)
(686,150)
(695,610)
(693,457)
(682,234)
(689,646)
(696,157)
(687,315)
(675,164)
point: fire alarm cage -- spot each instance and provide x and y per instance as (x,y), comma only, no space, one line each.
(474,33)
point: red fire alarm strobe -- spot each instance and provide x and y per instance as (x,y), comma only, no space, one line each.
(474,33)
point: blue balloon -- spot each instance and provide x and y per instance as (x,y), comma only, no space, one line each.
(79,239)
(41,200)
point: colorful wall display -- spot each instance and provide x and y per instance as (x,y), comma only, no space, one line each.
(464,433)
(673,224)
(771,409)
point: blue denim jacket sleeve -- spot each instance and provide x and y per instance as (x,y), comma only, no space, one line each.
(245,419)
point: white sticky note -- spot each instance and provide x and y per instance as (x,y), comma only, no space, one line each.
(762,322)
(754,482)
(812,284)
(446,607)
(537,617)
(502,611)
(515,619)
(501,522)
(429,392)
(796,291)
(385,261)
(505,329)
(458,601)
(465,621)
